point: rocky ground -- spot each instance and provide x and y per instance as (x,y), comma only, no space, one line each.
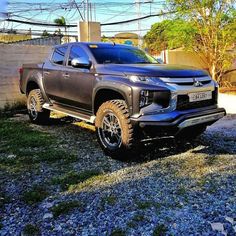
(55,180)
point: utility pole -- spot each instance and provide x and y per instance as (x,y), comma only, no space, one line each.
(138,7)
(137,3)
(87,8)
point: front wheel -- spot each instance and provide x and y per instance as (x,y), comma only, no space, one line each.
(114,129)
(37,113)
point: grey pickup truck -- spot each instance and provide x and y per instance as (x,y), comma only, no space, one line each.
(123,91)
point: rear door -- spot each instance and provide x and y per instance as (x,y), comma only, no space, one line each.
(77,83)
(53,71)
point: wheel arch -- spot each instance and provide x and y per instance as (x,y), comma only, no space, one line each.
(36,82)
(106,94)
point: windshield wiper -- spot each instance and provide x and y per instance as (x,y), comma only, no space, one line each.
(142,62)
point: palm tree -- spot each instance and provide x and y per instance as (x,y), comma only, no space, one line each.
(61,22)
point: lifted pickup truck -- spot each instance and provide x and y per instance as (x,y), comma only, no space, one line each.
(125,92)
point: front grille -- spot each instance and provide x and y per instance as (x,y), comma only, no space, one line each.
(184,104)
(192,83)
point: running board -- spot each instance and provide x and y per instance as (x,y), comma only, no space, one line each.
(65,111)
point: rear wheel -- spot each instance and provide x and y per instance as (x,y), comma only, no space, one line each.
(37,113)
(114,129)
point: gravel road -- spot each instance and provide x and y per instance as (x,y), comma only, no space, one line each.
(168,189)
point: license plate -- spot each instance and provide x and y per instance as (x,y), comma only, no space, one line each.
(200,96)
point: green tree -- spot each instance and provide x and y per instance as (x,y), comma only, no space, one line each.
(207,27)
(170,34)
(45,34)
(62,22)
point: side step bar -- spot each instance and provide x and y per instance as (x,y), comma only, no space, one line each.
(74,114)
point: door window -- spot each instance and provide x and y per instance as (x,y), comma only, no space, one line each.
(76,52)
(59,55)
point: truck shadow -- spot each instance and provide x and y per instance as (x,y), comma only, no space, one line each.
(210,142)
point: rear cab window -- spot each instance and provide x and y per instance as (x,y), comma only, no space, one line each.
(58,55)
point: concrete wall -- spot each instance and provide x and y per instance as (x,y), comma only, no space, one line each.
(181,57)
(45,41)
(184,58)
(12,58)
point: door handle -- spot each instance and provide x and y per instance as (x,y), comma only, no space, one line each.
(66,75)
(46,73)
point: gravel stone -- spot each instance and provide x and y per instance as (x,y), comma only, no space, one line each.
(186,188)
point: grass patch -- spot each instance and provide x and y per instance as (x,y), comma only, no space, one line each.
(88,182)
(160,230)
(31,230)
(73,178)
(118,232)
(35,195)
(17,135)
(144,205)
(21,146)
(65,207)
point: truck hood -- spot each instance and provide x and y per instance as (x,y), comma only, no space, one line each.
(154,70)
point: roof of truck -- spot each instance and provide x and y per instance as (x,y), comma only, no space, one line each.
(95,44)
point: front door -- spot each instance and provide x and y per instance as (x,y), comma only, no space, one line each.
(77,84)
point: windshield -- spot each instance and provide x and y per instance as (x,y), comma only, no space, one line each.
(121,55)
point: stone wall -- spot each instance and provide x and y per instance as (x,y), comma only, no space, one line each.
(11,59)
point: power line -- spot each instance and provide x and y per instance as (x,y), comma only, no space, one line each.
(103,24)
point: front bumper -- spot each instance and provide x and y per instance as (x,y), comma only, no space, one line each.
(173,122)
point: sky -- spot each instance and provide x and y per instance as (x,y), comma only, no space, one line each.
(106,11)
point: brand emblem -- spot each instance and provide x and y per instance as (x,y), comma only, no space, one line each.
(197,83)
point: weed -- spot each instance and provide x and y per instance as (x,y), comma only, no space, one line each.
(138,218)
(110,200)
(131,224)
(160,230)
(31,230)
(181,191)
(144,205)
(35,195)
(118,232)
(158,205)
(65,207)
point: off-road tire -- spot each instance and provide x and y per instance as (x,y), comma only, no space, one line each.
(120,110)
(41,115)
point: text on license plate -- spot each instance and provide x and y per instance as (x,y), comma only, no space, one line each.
(200,96)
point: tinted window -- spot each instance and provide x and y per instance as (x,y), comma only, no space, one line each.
(59,55)
(76,52)
(121,55)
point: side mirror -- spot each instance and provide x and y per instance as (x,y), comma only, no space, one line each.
(81,62)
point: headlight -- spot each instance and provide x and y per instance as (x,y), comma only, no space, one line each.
(216,84)
(145,79)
